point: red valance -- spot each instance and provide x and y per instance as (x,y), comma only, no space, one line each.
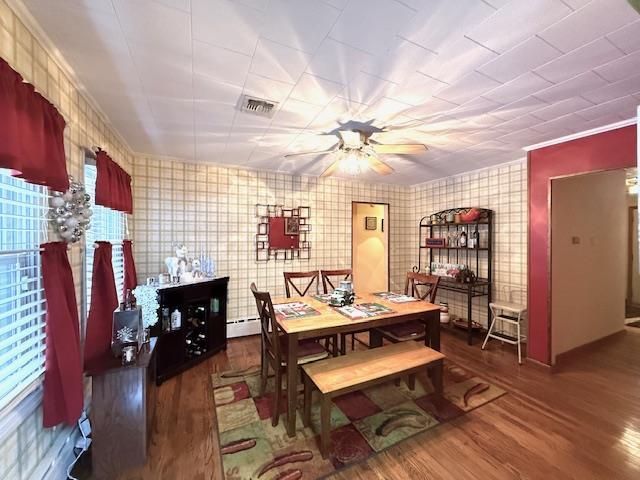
(31,133)
(113,185)
(62,394)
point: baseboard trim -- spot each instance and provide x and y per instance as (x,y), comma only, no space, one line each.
(565,357)
(538,365)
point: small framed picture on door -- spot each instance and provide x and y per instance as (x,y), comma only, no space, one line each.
(370,223)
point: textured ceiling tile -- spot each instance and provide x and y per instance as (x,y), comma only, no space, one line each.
(585,58)
(316,90)
(595,19)
(467,88)
(561,108)
(627,38)
(439,23)
(227,24)
(517,21)
(301,24)
(573,87)
(337,62)
(278,62)
(371,24)
(527,56)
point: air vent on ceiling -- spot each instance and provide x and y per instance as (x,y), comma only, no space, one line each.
(258,106)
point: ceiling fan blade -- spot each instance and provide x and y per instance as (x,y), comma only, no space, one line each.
(317,152)
(379,166)
(402,149)
(332,168)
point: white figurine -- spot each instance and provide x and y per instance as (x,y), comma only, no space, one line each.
(179,265)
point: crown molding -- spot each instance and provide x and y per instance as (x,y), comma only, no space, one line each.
(586,133)
(25,16)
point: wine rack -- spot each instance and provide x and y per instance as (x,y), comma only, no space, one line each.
(196,338)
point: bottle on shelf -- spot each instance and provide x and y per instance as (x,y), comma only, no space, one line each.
(474,241)
(166,320)
(176,320)
(463,239)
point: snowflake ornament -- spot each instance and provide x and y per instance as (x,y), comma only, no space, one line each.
(125,334)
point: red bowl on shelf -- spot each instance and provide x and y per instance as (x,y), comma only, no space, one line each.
(471,216)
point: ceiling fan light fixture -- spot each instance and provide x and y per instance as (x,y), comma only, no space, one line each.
(354,162)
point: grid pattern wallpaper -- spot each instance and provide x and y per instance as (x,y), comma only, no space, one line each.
(503,189)
(24,452)
(213,207)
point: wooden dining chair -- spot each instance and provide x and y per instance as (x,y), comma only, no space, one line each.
(328,277)
(312,282)
(274,351)
(413,330)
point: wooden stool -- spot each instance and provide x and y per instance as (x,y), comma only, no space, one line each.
(512,314)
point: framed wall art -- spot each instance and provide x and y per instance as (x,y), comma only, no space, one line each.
(282,233)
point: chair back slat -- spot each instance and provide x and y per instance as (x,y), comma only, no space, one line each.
(311,276)
(415,280)
(344,274)
(268,325)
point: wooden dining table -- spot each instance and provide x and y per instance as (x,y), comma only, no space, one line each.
(329,322)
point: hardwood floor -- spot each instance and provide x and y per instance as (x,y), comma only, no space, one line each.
(582,422)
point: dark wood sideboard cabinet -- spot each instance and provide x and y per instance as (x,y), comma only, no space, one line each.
(123,400)
(203,327)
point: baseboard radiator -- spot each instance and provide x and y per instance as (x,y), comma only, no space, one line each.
(243,327)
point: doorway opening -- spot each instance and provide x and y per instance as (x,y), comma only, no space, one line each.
(632,302)
(370,246)
(593,257)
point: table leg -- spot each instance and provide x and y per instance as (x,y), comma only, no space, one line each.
(375,339)
(292,382)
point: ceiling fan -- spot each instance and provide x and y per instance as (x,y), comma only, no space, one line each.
(357,151)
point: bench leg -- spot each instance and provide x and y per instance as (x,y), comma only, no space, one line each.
(436,377)
(412,381)
(325,425)
(308,397)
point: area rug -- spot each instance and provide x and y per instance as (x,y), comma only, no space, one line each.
(363,423)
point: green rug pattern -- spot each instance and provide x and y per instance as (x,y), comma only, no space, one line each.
(363,423)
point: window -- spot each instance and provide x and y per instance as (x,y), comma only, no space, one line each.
(108,225)
(23,228)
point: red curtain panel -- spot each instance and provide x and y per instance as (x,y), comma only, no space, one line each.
(130,275)
(31,133)
(62,396)
(113,185)
(104,301)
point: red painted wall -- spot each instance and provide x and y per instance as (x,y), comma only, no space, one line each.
(603,151)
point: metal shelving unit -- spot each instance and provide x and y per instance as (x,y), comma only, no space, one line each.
(436,226)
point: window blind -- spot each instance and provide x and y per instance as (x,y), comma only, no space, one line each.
(108,225)
(22,303)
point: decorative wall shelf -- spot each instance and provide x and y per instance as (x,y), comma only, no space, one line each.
(282,233)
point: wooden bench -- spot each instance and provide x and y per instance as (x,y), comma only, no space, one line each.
(359,370)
